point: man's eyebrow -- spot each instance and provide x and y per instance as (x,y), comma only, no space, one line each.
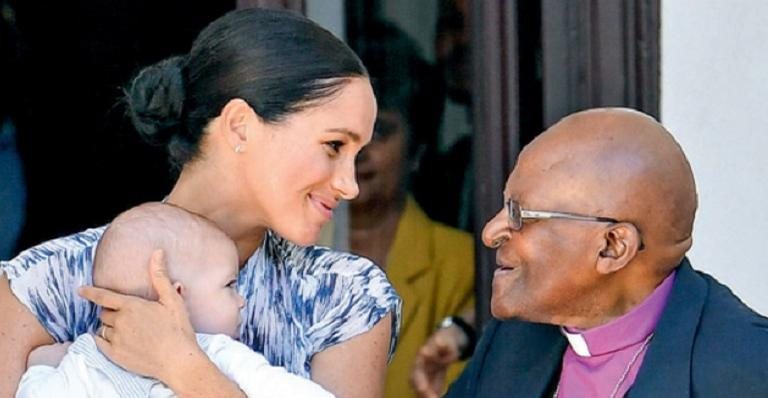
(352,135)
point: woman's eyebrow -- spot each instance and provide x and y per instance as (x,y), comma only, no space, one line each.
(352,135)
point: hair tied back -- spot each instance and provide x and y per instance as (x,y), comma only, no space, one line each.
(155,99)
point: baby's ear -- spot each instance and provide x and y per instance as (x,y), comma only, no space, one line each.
(179,288)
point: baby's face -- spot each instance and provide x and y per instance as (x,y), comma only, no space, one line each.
(210,288)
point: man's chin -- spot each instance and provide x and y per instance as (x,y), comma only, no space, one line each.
(508,309)
(501,310)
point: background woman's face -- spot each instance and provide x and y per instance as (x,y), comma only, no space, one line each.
(381,165)
(304,166)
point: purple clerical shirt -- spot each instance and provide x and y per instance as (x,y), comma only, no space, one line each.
(596,358)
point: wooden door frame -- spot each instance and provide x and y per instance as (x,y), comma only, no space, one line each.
(496,128)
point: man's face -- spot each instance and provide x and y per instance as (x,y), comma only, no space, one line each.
(545,271)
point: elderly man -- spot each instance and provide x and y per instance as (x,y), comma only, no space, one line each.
(592,287)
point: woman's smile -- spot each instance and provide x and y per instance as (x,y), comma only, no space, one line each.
(324,206)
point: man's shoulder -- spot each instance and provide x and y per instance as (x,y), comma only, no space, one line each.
(731,344)
(729,323)
(724,312)
(711,309)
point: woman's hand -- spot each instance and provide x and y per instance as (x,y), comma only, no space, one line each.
(48,355)
(150,338)
(441,350)
(155,338)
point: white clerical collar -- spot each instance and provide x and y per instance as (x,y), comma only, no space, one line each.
(577,342)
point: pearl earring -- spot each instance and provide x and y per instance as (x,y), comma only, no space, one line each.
(239,148)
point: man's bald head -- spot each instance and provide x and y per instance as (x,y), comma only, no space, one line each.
(622,164)
(624,200)
(122,255)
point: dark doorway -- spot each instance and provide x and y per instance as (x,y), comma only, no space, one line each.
(82,161)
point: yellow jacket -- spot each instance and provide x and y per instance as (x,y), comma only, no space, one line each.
(432,267)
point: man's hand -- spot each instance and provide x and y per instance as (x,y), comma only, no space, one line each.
(48,355)
(433,359)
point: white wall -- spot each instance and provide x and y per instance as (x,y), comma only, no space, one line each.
(715,101)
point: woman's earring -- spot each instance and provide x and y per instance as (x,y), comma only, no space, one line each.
(239,148)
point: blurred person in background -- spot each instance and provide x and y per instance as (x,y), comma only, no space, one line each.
(430,264)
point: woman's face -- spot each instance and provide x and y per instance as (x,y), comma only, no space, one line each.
(299,169)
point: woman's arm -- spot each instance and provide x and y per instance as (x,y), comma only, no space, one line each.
(155,338)
(20,332)
(357,367)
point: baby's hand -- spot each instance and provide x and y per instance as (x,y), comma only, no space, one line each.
(48,355)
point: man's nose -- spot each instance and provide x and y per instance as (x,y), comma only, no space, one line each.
(496,231)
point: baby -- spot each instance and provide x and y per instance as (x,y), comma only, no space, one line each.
(202,264)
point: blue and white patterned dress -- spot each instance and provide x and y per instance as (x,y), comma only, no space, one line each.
(299,300)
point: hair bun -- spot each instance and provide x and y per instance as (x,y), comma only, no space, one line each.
(155,100)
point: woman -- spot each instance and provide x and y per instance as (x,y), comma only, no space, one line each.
(430,264)
(264,117)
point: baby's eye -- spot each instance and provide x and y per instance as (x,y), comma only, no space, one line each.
(232,284)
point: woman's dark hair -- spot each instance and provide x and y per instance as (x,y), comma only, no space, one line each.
(278,62)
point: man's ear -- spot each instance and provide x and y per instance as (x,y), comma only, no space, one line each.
(235,118)
(621,241)
(180,289)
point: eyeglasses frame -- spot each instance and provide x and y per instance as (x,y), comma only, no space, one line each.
(526,214)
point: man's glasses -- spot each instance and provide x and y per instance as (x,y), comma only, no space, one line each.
(516,215)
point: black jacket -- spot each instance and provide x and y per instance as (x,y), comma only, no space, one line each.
(706,344)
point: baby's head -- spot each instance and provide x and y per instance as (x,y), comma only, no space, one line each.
(202,263)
